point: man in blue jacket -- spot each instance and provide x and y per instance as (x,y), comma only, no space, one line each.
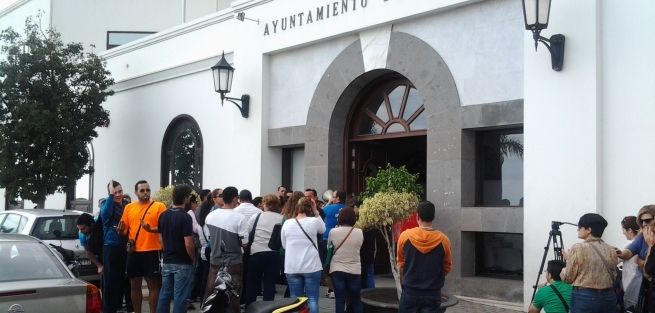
(114,254)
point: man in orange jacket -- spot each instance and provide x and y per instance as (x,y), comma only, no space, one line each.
(423,257)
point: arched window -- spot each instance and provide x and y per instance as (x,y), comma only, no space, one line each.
(391,108)
(182,153)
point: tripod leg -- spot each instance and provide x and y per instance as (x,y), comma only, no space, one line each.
(543,262)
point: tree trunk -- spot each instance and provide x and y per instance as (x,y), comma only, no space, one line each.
(40,204)
(391,246)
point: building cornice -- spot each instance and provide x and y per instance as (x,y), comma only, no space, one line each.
(203,22)
(169,73)
(13,7)
(242,5)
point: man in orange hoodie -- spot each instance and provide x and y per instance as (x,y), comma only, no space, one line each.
(423,258)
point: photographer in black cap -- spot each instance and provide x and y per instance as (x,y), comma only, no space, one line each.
(591,268)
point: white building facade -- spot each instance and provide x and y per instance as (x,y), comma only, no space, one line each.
(338,88)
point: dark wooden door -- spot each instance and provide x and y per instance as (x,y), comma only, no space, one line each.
(366,157)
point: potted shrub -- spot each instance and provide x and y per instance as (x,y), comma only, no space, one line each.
(391,196)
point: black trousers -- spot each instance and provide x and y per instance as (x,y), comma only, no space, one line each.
(113,282)
(264,267)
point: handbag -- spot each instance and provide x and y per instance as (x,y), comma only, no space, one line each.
(332,250)
(131,243)
(275,242)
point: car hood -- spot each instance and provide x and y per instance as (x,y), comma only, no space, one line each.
(57,295)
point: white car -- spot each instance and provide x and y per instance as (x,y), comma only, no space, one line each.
(34,279)
(56,227)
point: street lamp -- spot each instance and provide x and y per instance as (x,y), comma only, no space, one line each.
(223,73)
(536,14)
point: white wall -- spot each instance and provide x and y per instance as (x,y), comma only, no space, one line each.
(588,129)
(294,76)
(628,111)
(232,144)
(130,149)
(87,21)
(482,46)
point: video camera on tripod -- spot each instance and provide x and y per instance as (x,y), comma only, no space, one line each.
(554,237)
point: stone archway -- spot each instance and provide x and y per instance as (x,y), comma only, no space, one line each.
(342,82)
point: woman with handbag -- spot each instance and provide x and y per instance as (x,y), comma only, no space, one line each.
(302,264)
(591,268)
(343,262)
(264,263)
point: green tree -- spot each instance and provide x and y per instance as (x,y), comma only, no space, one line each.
(50,107)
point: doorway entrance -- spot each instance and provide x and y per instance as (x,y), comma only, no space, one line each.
(387,125)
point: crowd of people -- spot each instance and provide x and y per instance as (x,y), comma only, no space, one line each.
(595,277)
(179,250)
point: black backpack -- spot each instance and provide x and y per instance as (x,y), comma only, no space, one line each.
(96,239)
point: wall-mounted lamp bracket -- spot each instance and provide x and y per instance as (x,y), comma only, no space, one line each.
(555,45)
(245,103)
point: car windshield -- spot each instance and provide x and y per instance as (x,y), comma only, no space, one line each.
(55,227)
(28,261)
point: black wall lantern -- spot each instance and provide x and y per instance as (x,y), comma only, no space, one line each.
(536,13)
(223,73)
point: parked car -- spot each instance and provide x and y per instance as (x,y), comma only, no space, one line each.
(34,279)
(57,227)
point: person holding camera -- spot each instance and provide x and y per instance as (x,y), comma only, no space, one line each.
(591,268)
(556,296)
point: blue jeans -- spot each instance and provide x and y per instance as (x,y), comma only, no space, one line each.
(176,284)
(306,284)
(368,276)
(419,304)
(593,301)
(346,285)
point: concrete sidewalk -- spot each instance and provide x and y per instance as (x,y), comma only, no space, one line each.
(326,305)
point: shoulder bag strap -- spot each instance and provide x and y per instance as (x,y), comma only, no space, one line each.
(559,295)
(304,232)
(251,236)
(203,233)
(607,267)
(344,240)
(142,217)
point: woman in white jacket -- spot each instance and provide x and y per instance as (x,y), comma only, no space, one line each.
(302,263)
